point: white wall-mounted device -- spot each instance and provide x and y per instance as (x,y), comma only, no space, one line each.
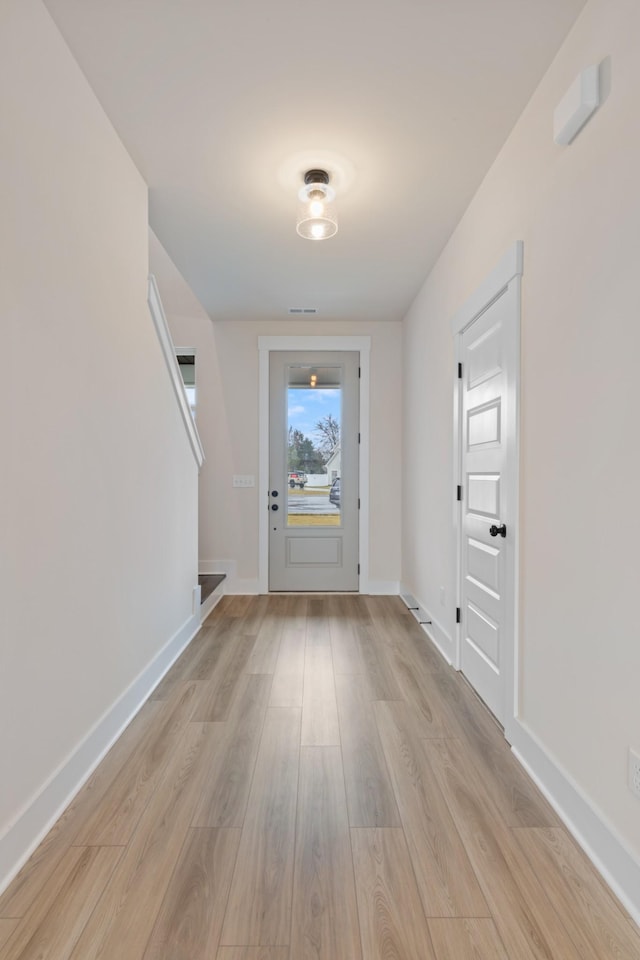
(580,101)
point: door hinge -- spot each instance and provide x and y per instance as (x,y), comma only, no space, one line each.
(358,438)
(459,492)
(459,371)
(358,503)
(359,373)
(358,568)
(458,615)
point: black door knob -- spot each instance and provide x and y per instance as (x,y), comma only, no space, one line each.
(274,506)
(274,493)
(494,531)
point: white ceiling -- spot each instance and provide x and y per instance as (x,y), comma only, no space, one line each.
(223,104)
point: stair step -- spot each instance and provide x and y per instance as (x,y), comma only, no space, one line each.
(208,583)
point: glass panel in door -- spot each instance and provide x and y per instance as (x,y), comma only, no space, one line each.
(314,419)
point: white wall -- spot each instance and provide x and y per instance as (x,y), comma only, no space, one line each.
(190,326)
(99,486)
(227,418)
(577,210)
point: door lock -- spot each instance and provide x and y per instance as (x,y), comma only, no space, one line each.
(494,531)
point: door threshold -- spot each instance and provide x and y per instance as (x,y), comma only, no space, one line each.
(314,593)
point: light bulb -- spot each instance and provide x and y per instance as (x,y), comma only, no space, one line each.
(316,215)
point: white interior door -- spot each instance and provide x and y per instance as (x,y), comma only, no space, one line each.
(488,351)
(313,474)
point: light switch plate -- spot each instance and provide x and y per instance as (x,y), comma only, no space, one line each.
(244,480)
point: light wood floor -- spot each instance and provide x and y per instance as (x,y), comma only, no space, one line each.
(311,780)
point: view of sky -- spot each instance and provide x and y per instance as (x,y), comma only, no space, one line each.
(307,406)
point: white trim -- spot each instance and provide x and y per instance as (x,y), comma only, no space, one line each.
(168,351)
(436,632)
(229,567)
(510,266)
(263,464)
(213,567)
(355,344)
(361,345)
(512,706)
(232,585)
(384,588)
(196,599)
(408,598)
(363,466)
(39,814)
(212,601)
(456,504)
(504,280)
(599,839)
(240,587)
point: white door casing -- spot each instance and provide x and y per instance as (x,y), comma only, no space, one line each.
(486,426)
(266,345)
(313,542)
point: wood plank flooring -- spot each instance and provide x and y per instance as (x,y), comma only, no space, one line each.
(311,782)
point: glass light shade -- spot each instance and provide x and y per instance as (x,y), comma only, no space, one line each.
(317,218)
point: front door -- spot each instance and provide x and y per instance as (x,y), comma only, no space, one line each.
(488,424)
(313,470)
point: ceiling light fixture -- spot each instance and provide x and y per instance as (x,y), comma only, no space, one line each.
(316,216)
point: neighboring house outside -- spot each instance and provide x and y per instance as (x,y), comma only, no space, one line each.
(333,464)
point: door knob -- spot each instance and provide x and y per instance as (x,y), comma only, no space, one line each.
(274,493)
(494,531)
(274,506)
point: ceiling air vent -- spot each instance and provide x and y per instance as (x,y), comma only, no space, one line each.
(303,311)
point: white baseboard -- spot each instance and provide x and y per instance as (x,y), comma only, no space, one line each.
(434,629)
(35,820)
(196,599)
(237,587)
(599,839)
(440,637)
(384,588)
(207,568)
(229,567)
(233,585)
(212,600)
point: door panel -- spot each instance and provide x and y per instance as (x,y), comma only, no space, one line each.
(484,356)
(314,550)
(487,561)
(484,634)
(483,566)
(313,524)
(483,425)
(483,494)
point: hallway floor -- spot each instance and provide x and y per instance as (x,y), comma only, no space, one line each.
(311,780)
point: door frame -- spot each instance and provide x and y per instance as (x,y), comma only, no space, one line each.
(361,345)
(508,271)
